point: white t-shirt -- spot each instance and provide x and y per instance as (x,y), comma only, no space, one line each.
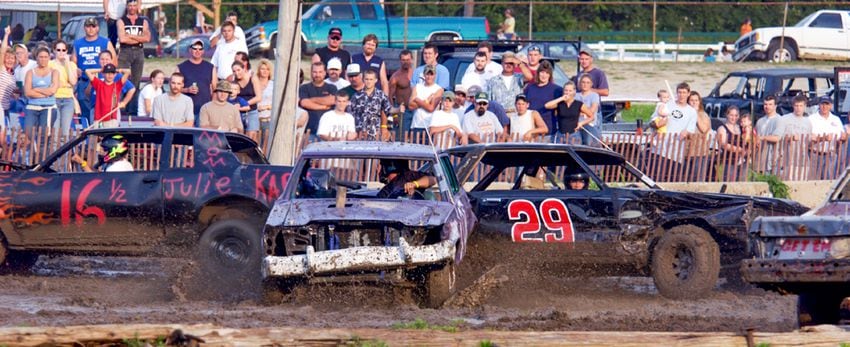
(122,165)
(442,118)
(680,118)
(117,9)
(225,55)
(826,126)
(481,125)
(148,93)
(521,124)
(266,99)
(335,124)
(340,83)
(21,71)
(473,78)
(421,117)
(491,70)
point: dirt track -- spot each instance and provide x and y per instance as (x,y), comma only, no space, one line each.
(130,290)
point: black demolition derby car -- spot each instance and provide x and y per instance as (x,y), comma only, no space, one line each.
(808,255)
(567,204)
(204,193)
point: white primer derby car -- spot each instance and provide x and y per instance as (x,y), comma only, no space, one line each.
(326,229)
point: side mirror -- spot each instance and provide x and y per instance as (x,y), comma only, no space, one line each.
(327,12)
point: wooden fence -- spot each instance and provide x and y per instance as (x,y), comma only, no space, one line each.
(665,158)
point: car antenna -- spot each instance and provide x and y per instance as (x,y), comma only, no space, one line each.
(437,157)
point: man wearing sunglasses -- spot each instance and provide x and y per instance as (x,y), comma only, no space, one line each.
(333,50)
(87,51)
(199,79)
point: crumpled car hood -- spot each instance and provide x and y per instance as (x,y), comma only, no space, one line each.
(407,212)
(802,226)
(682,202)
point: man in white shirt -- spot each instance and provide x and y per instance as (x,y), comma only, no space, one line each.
(681,123)
(23,63)
(444,121)
(492,68)
(827,132)
(480,74)
(336,124)
(334,71)
(217,35)
(225,53)
(481,125)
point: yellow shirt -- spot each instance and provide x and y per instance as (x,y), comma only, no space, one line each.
(65,90)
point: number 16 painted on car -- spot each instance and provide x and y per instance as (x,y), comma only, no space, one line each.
(555,217)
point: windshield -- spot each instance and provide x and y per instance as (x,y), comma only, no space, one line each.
(802,22)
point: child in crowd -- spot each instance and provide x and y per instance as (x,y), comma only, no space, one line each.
(336,124)
(238,101)
(107,93)
(660,113)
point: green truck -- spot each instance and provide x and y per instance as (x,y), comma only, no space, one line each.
(359,18)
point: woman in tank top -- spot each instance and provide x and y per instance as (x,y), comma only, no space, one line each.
(568,111)
(67,80)
(263,81)
(248,92)
(40,85)
(593,102)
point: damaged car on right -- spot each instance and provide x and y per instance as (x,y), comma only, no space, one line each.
(808,255)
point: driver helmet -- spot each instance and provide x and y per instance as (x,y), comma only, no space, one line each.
(114,148)
(389,166)
(580,176)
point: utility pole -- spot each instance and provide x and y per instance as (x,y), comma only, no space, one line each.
(287,65)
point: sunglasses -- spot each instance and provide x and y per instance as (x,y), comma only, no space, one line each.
(336,38)
(197,48)
(60,50)
(507,63)
(482,103)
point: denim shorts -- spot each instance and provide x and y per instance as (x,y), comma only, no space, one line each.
(252,120)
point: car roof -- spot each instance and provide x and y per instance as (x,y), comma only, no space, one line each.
(496,56)
(178,130)
(540,149)
(369,148)
(784,72)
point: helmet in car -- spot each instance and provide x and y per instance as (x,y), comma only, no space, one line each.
(389,166)
(114,147)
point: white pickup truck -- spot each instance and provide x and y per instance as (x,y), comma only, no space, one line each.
(823,35)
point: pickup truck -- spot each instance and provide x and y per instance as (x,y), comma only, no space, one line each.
(822,35)
(358,18)
(194,192)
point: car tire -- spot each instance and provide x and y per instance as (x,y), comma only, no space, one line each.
(776,55)
(229,255)
(438,285)
(15,262)
(685,263)
(273,45)
(818,307)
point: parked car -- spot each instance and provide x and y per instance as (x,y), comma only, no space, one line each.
(807,255)
(74,29)
(558,206)
(356,19)
(182,47)
(324,228)
(193,192)
(563,50)
(747,90)
(821,35)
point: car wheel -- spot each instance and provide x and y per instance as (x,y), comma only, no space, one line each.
(229,256)
(820,307)
(685,263)
(15,262)
(270,53)
(776,55)
(438,285)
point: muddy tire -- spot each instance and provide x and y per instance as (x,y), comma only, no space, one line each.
(438,285)
(685,263)
(229,254)
(818,307)
(15,262)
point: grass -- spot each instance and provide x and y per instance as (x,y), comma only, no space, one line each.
(638,111)
(136,342)
(421,324)
(486,343)
(356,341)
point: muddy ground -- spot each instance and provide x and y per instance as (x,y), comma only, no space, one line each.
(72,290)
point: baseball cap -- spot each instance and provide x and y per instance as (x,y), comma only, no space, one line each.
(824,100)
(482,97)
(585,50)
(132,1)
(473,90)
(429,68)
(521,97)
(534,48)
(460,89)
(109,68)
(90,21)
(223,86)
(335,63)
(509,57)
(335,31)
(197,42)
(448,95)
(352,70)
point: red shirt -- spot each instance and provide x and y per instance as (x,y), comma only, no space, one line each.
(106,98)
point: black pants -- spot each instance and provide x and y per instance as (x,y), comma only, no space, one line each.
(112,31)
(134,59)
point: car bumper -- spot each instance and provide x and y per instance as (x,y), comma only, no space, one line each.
(752,51)
(789,271)
(358,259)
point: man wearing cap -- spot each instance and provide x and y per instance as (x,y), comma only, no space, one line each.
(133,32)
(425,99)
(600,81)
(827,131)
(355,78)
(526,124)
(481,125)
(492,68)
(199,78)
(429,58)
(333,49)
(479,75)
(238,33)
(317,97)
(505,87)
(107,91)
(226,51)
(495,108)
(174,108)
(220,114)
(370,108)
(87,52)
(461,103)
(529,65)
(334,72)
(445,120)
(113,10)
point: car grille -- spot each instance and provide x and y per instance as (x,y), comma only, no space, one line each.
(743,43)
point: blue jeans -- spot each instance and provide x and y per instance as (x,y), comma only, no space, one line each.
(65,115)
(588,140)
(38,118)
(252,120)
(85,101)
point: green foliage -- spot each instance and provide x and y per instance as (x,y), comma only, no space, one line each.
(778,188)
(137,342)
(486,343)
(356,341)
(421,324)
(763,344)
(638,111)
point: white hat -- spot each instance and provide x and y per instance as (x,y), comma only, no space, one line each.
(353,69)
(334,63)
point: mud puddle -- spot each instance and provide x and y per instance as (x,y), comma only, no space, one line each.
(99,290)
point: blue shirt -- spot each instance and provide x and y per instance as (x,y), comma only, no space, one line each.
(88,52)
(239,102)
(537,98)
(443,78)
(373,64)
